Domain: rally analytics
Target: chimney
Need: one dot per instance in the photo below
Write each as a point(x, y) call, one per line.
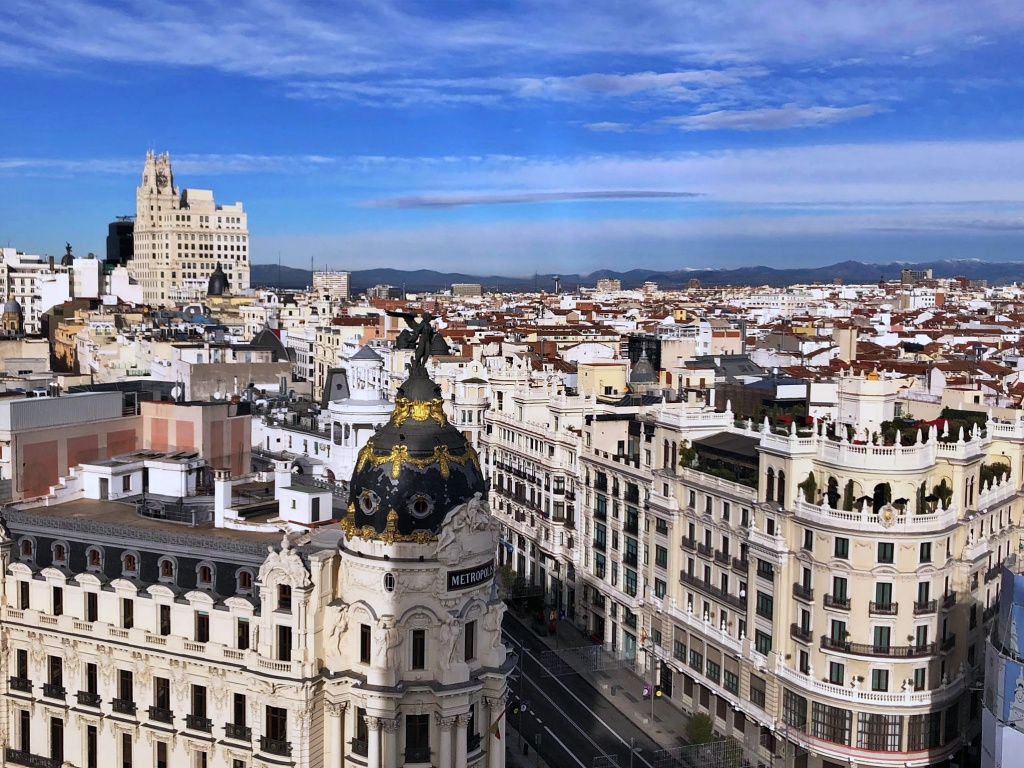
point(282, 474)
point(221, 496)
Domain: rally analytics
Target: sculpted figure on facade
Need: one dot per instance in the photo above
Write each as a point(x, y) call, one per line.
point(337, 616)
point(386, 641)
point(288, 562)
point(469, 518)
point(492, 623)
point(449, 641)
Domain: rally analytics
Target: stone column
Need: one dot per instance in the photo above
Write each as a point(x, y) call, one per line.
point(390, 743)
point(334, 740)
point(493, 744)
point(461, 722)
point(373, 726)
point(444, 726)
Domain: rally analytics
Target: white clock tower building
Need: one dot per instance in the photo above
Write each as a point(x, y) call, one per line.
point(181, 237)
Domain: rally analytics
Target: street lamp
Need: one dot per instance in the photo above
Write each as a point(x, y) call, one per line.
point(655, 691)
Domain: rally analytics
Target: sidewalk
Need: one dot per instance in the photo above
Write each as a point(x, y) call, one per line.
point(514, 757)
point(621, 687)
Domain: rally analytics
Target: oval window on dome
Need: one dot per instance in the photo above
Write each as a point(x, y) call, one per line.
point(421, 505)
point(389, 582)
point(368, 501)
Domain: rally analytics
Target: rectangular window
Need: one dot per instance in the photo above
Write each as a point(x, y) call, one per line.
point(284, 643)
point(417, 733)
point(924, 731)
point(794, 710)
point(165, 620)
point(125, 685)
point(126, 750)
point(885, 551)
point(879, 680)
point(763, 642)
point(239, 710)
point(277, 723)
point(199, 700)
point(364, 643)
point(469, 636)
point(661, 556)
point(926, 552)
point(714, 671)
point(660, 587)
point(831, 723)
point(419, 649)
point(836, 673)
point(242, 635)
point(55, 671)
point(765, 569)
point(920, 678)
point(731, 682)
point(765, 605)
point(23, 592)
point(697, 660)
point(92, 747)
point(161, 754)
point(162, 692)
point(58, 601)
point(757, 691)
point(842, 549)
point(91, 679)
point(879, 733)
point(882, 637)
point(679, 650)
point(92, 610)
point(808, 539)
point(202, 627)
point(839, 589)
point(284, 597)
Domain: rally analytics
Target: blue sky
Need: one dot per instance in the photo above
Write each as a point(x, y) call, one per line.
point(512, 137)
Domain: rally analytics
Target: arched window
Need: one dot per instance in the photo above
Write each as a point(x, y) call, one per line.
point(204, 575)
point(769, 492)
point(94, 558)
point(60, 554)
point(129, 564)
point(167, 569)
point(244, 579)
point(284, 597)
point(782, 487)
point(832, 494)
point(28, 549)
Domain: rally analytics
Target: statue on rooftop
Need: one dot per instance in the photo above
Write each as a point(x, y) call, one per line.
point(419, 337)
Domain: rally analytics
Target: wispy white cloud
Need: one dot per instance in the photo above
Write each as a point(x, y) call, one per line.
point(608, 127)
point(521, 198)
point(768, 119)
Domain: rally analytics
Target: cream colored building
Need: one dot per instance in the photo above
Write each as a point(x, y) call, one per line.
point(181, 236)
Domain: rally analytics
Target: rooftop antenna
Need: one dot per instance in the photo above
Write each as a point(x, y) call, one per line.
point(279, 271)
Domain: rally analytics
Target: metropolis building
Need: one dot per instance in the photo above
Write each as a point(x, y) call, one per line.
point(149, 622)
point(181, 236)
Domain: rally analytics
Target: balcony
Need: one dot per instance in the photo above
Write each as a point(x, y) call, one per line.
point(54, 691)
point(17, 757)
point(948, 642)
point(631, 527)
point(360, 747)
point(926, 606)
point(278, 747)
point(688, 543)
point(472, 742)
point(839, 603)
point(710, 589)
point(883, 609)
point(22, 684)
point(198, 723)
point(417, 755)
point(722, 558)
point(629, 559)
point(993, 572)
point(740, 565)
point(704, 550)
point(948, 601)
point(235, 731)
point(161, 714)
point(803, 634)
point(87, 699)
point(601, 546)
point(989, 612)
point(123, 706)
point(802, 592)
point(599, 515)
point(867, 649)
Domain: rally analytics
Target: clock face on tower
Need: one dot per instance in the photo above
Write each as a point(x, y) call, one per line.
point(161, 179)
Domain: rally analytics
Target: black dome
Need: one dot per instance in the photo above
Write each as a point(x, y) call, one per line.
point(414, 470)
point(218, 285)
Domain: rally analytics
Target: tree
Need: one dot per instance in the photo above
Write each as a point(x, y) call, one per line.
point(809, 487)
point(700, 729)
point(848, 496)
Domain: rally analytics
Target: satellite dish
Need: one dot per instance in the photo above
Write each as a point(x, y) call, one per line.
point(217, 395)
point(176, 392)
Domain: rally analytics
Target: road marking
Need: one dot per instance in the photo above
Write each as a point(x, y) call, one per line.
point(565, 748)
point(592, 712)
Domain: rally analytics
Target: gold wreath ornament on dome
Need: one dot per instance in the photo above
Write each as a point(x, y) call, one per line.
point(399, 455)
point(419, 410)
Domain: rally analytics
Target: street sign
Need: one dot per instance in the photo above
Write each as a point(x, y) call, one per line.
point(526, 704)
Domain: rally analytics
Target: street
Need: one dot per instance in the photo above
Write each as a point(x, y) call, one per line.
point(575, 722)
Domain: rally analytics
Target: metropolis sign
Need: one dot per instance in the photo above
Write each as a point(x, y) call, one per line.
point(470, 577)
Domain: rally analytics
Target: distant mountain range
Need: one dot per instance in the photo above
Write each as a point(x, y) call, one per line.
point(996, 272)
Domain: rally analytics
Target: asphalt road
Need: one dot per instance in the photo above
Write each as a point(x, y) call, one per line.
point(576, 724)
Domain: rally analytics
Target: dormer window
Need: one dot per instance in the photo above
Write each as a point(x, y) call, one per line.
point(245, 581)
point(94, 558)
point(28, 549)
point(60, 554)
point(129, 564)
point(205, 575)
point(284, 597)
point(166, 569)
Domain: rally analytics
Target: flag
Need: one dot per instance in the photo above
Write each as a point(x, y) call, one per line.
point(495, 728)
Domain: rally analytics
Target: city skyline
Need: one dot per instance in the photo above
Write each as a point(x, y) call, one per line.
point(668, 136)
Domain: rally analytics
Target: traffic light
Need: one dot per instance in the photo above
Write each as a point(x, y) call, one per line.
point(657, 691)
point(516, 709)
